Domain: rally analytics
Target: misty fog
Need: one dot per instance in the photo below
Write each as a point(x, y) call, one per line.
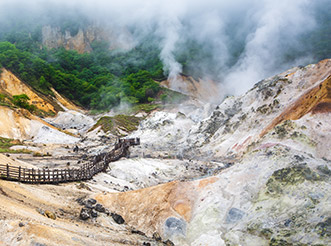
point(240, 41)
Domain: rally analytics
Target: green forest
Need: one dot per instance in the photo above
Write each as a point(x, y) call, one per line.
point(104, 78)
point(96, 80)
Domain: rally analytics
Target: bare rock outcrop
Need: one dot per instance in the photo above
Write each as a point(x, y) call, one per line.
point(277, 190)
point(54, 37)
point(11, 85)
point(240, 122)
point(203, 89)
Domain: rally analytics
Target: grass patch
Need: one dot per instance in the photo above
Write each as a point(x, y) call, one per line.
point(38, 154)
point(105, 122)
point(118, 125)
point(147, 108)
point(12, 151)
point(6, 143)
point(126, 123)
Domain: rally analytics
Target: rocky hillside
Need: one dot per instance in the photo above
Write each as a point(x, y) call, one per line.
point(202, 89)
point(20, 123)
point(54, 37)
point(241, 122)
point(11, 85)
point(274, 144)
point(255, 170)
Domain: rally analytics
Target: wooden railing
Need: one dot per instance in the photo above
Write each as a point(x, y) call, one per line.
point(55, 176)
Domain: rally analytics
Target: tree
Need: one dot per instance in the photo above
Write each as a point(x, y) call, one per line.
point(22, 102)
point(43, 83)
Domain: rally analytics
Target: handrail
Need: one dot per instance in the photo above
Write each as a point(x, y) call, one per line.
point(55, 176)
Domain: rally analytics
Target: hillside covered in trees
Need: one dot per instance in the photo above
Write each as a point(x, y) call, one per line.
point(105, 77)
point(99, 79)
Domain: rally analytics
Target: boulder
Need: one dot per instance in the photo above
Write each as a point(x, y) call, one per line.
point(85, 213)
point(50, 215)
point(100, 208)
point(117, 218)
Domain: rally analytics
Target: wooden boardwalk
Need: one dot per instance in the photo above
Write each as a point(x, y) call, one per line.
point(55, 176)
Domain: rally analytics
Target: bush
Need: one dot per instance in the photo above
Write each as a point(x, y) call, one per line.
point(2, 97)
point(150, 99)
point(22, 102)
point(164, 98)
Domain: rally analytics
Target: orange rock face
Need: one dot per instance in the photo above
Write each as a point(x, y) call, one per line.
point(153, 209)
point(65, 102)
point(316, 99)
point(10, 84)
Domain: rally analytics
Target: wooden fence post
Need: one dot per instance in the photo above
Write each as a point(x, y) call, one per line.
point(39, 176)
point(50, 176)
point(19, 173)
point(57, 175)
point(31, 175)
point(7, 171)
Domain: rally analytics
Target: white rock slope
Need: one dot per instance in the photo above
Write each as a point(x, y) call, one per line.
point(276, 192)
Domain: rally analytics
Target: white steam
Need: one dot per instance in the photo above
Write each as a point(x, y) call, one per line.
point(169, 29)
point(247, 39)
point(279, 24)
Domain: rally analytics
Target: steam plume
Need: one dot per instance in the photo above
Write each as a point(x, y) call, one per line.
point(240, 41)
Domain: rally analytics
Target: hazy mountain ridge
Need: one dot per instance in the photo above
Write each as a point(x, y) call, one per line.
point(224, 47)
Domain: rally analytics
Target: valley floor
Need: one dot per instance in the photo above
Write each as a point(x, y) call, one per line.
point(254, 171)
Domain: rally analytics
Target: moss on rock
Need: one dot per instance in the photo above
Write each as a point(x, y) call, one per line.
point(279, 242)
point(290, 176)
point(283, 129)
point(324, 228)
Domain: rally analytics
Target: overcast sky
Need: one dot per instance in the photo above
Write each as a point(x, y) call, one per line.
point(264, 30)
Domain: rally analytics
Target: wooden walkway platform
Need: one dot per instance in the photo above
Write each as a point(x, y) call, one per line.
point(55, 176)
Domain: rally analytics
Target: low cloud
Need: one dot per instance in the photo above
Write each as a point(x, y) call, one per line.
point(245, 41)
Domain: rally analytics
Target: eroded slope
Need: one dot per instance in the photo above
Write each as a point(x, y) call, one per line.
point(276, 191)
